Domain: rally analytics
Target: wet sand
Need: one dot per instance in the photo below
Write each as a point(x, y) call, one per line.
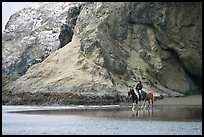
point(74, 124)
point(188, 100)
point(81, 124)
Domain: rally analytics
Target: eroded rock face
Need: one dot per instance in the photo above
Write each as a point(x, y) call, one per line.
point(32, 34)
point(115, 43)
point(145, 40)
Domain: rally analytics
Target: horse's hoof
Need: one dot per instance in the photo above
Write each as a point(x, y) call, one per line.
point(133, 109)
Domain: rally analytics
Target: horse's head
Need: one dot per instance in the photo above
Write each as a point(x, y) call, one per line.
point(130, 91)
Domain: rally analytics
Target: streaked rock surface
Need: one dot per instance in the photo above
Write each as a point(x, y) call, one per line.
point(113, 44)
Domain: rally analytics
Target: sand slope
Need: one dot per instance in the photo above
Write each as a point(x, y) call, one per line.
point(189, 100)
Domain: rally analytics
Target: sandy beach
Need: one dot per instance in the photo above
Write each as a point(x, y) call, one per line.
point(188, 100)
point(161, 122)
point(178, 121)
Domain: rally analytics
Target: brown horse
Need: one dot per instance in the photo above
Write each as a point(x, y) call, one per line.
point(145, 97)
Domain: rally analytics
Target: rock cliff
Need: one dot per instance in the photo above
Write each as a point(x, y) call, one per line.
point(99, 49)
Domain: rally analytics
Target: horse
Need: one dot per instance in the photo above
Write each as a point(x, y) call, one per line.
point(134, 97)
point(145, 97)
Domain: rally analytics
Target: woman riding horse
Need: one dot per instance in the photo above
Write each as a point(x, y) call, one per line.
point(138, 88)
point(145, 97)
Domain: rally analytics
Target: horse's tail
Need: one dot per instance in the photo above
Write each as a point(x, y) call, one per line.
point(152, 99)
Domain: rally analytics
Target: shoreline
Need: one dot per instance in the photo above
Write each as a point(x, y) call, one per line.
point(61, 99)
point(187, 100)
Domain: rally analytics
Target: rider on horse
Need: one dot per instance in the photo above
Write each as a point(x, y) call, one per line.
point(138, 88)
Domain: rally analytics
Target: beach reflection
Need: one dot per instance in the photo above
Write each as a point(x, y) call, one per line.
point(172, 113)
point(120, 120)
point(143, 113)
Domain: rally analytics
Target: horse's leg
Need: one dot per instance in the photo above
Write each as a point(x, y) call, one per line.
point(148, 103)
point(138, 107)
point(144, 104)
point(138, 104)
point(133, 106)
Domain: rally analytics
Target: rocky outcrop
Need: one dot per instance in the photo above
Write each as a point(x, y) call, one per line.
point(32, 34)
point(115, 44)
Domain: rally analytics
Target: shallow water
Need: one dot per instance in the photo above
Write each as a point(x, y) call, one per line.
point(108, 120)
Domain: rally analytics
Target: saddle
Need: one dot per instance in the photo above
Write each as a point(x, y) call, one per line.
point(143, 96)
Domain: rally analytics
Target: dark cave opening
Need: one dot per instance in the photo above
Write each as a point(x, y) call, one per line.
point(196, 79)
